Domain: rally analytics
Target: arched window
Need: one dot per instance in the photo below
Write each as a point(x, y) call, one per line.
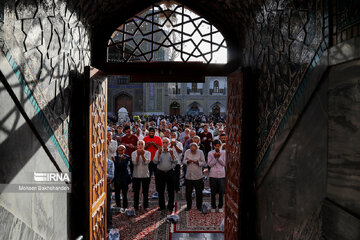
point(194, 87)
point(216, 86)
point(167, 31)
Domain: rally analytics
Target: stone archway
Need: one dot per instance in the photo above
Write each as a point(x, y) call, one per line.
point(194, 109)
point(135, 60)
point(124, 100)
point(216, 110)
point(174, 108)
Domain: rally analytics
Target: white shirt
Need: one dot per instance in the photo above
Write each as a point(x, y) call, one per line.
point(178, 155)
point(141, 169)
point(194, 171)
point(112, 148)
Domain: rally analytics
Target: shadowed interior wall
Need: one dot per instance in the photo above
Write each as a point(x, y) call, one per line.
point(41, 43)
point(284, 39)
point(305, 161)
point(291, 195)
point(342, 206)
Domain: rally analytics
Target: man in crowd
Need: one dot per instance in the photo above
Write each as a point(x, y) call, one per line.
point(122, 177)
point(218, 133)
point(111, 146)
point(177, 148)
point(216, 161)
point(223, 140)
point(190, 140)
point(206, 139)
point(166, 162)
point(199, 144)
point(167, 133)
point(195, 160)
point(212, 128)
point(152, 143)
point(130, 142)
point(141, 176)
point(184, 136)
point(139, 134)
point(120, 132)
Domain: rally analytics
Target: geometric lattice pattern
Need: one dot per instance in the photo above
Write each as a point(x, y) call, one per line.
point(46, 48)
point(295, 30)
point(97, 154)
point(233, 151)
point(166, 31)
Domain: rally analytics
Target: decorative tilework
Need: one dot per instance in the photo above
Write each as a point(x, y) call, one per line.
point(40, 106)
point(45, 49)
point(264, 154)
point(284, 43)
point(346, 20)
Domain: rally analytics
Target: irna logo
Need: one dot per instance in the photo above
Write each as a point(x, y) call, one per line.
point(51, 177)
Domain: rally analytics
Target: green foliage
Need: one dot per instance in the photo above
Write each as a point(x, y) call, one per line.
point(136, 118)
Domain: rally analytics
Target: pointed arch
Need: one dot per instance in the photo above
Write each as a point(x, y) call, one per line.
point(194, 108)
point(218, 105)
point(175, 108)
point(216, 86)
point(123, 99)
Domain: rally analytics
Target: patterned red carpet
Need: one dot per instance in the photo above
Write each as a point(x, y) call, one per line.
point(145, 225)
point(152, 225)
point(195, 221)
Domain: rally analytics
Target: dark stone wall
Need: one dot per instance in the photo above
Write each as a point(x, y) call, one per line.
point(344, 136)
point(342, 208)
point(280, 43)
point(295, 187)
point(306, 166)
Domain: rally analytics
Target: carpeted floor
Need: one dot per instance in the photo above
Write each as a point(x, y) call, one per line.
point(195, 221)
point(145, 225)
point(152, 225)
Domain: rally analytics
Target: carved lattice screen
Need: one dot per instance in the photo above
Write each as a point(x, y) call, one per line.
point(166, 31)
point(234, 131)
point(97, 159)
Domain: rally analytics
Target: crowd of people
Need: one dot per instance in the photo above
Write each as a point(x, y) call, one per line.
point(162, 146)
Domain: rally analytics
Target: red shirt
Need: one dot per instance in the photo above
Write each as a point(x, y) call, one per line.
point(129, 140)
point(151, 148)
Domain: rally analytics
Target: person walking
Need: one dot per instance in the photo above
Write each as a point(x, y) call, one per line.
point(217, 160)
point(141, 176)
point(166, 162)
point(194, 159)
